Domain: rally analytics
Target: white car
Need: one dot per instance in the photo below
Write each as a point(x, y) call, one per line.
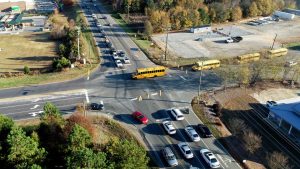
point(177, 114)
point(99, 25)
point(115, 56)
point(168, 126)
point(191, 132)
point(119, 63)
point(185, 150)
point(229, 40)
point(126, 60)
point(169, 156)
point(210, 158)
point(271, 103)
point(290, 63)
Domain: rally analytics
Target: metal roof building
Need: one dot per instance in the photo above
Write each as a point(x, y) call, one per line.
point(287, 116)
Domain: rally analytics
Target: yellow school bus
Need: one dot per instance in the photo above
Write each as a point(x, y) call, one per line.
point(207, 64)
point(142, 73)
point(248, 57)
point(277, 52)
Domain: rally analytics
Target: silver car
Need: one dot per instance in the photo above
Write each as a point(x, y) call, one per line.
point(169, 156)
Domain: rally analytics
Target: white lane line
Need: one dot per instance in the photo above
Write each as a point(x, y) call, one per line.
point(36, 100)
point(53, 100)
point(35, 106)
point(182, 77)
point(87, 96)
point(220, 157)
point(154, 94)
point(169, 75)
point(201, 139)
point(33, 114)
point(188, 145)
point(134, 99)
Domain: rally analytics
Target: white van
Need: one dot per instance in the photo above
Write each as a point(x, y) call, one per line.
point(177, 114)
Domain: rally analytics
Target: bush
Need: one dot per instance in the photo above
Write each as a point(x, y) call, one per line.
point(26, 70)
point(58, 64)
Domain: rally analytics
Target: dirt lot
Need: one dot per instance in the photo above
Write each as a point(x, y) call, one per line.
point(255, 38)
point(239, 103)
point(32, 49)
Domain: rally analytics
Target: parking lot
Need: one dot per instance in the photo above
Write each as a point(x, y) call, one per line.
point(212, 44)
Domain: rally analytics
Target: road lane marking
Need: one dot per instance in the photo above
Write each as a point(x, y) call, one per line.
point(87, 96)
point(182, 77)
point(154, 94)
point(33, 114)
point(133, 99)
point(36, 100)
point(220, 157)
point(35, 106)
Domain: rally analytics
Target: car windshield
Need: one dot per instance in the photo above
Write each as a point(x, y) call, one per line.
point(140, 116)
point(188, 152)
point(179, 116)
point(171, 157)
point(195, 135)
point(213, 160)
point(172, 130)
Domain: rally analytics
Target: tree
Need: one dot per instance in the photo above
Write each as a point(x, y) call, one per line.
point(148, 29)
point(236, 13)
point(79, 138)
point(253, 10)
point(68, 2)
point(51, 114)
point(80, 120)
point(6, 125)
point(23, 150)
point(85, 158)
point(237, 126)
point(243, 75)
point(277, 160)
point(125, 153)
point(252, 142)
point(26, 70)
point(204, 17)
point(217, 107)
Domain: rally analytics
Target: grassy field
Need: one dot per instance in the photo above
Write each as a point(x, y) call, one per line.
point(32, 49)
point(294, 46)
point(40, 54)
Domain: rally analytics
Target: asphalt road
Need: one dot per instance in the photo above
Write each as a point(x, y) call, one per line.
point(123, 95)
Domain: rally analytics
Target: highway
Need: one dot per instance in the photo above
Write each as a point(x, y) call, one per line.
point(123, 95)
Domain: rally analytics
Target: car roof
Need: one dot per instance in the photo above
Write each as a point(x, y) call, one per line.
point(137, 113)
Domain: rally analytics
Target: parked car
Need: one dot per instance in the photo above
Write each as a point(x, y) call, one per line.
point(191, 132)
point(204, 130)
point(235, 39)
point(119, 63)
point(104, 17)
point(177, 114)
point(210, 158)
point(169, 156)
point(126, 60)
point(96, 106)
point(185, 150)
point(271, 103)
point(140, 117)
point(290, 63)
point(169, 127)
point(115, 56)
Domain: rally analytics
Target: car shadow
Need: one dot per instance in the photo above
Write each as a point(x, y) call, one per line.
point(154, 129)
point(161, 115)
point(181, 136)
point(126, 118)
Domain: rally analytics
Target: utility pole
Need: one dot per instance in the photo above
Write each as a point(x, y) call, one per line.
point(166, 48)
point(274, 41)
point(78, 34)
point(200, 81)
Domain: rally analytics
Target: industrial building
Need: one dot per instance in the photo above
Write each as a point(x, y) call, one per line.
point(286, 116)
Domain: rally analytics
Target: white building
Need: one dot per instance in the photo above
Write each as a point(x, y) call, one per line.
point(201, 29)
point(28, 4)
point(286, 115)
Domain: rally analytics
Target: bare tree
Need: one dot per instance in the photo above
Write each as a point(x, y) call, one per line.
point(252, 142)
point(277, 160)
point(237, 126)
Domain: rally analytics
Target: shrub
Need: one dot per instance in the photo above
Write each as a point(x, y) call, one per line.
point(26, 70)
point(58, 64)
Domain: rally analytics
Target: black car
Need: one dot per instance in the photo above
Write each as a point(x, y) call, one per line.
point(96, 106)
point(204, 130)
point(104, 17)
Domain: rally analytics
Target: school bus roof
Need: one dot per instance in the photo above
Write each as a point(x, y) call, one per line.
point(278, 50)
point(150, 69)
point(205, 62)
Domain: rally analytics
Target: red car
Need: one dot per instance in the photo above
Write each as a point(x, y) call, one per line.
point(140, 117)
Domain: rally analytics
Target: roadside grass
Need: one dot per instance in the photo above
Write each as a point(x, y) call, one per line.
point(44, 78)
point(293, 46)
point(198, 110)
point(34, 50)
point(91, 55)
